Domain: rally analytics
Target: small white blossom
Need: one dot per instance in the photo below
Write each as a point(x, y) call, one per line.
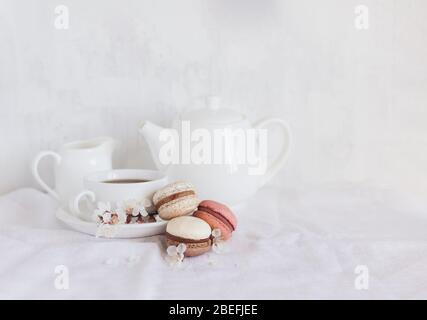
point(132, 207)
point(102, 207)
point(175, 254)
point(218, 245)
point(106, 217)
point(216, 233)
point(172, 251)
point(121, 215)
point(143, 212)
point(134, 220)
point(181, 248)
point(139, 210)
point(127, 205)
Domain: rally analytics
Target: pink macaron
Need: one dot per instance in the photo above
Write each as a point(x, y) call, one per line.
point(218, 216)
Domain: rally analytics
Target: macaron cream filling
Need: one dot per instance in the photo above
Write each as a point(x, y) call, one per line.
point(174, 197)
point(185, 240)
point(218, 216)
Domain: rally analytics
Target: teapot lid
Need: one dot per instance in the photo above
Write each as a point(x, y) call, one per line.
point(213, 114)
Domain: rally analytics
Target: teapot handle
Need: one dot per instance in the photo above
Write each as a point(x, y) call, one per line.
point(278, 163)
point(35, 171)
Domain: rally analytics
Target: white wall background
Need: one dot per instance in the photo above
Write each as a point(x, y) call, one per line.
point(357, 100)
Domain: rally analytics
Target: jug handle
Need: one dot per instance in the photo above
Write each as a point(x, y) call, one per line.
point(279, 162)
point(35, 171)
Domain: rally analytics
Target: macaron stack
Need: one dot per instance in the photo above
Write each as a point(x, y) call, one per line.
point(191, 220)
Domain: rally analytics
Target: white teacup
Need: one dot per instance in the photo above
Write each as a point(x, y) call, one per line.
point(117, 186)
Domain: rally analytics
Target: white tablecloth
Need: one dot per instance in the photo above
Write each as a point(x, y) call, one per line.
point(289, 244)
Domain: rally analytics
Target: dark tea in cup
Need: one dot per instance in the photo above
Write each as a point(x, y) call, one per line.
point(126, 181)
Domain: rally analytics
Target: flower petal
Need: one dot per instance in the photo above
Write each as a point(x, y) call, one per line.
point(121, 216)
point(172, 251)
point(147, 203)
point(142, 211)
point(181, 248)
point(135, 212)
point(171, 260)
point(216, 248)
point(216, 233)
point(219, 246)
point(180, 256)
point(106, 217)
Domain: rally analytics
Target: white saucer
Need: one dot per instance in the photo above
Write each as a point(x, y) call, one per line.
point(123, 231)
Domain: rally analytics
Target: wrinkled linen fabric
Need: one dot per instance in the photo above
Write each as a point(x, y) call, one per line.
point(314, 243)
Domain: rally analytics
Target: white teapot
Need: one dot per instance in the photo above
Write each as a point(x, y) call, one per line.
point(218, 150)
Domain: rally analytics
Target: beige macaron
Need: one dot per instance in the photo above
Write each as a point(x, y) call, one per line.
point(191, 231)
point(176, 199)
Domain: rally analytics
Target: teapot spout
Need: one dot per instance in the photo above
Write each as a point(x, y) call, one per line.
point(154, 135)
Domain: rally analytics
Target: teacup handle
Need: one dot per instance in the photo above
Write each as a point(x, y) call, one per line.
point(75, 204)
point(35, 171)
point(278, 163)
